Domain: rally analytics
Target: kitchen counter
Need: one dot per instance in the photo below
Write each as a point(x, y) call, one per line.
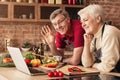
point(8, 73)
point(11, 73)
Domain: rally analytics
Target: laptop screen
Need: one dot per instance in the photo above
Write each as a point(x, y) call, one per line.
point(19, 62)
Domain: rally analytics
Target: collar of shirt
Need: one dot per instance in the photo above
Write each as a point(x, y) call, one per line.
point(99, 33)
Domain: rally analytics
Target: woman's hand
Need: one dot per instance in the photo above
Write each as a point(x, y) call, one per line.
point(48, 34)
point(88, 38)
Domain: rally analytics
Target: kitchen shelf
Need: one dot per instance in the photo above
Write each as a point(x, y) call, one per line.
point(34, 12)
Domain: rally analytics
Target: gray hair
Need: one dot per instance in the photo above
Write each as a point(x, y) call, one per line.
point(94, 10)
point(58, 11)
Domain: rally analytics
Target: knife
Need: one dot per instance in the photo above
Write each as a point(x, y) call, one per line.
point(61, 65)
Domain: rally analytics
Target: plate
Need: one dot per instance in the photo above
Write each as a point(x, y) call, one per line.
point(7, 65)
point(10, 64)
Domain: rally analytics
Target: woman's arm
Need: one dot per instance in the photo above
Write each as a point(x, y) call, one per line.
point(87, 57)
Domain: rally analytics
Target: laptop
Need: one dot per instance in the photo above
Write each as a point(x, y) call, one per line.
point(20, 64)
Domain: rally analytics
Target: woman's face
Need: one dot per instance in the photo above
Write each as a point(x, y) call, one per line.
point(89, 23)
point(61, 23)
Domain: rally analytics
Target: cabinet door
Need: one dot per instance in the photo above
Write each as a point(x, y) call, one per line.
point(4, 11)
point(44, 12)
point(24, 12)
point(73, 12)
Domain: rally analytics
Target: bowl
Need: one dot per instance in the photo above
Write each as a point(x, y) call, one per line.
point(25, 49)
point(58, 58)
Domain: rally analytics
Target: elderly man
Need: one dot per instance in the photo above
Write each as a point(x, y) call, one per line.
point(68, 32)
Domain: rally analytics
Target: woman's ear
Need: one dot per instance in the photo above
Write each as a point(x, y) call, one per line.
point(98, 19)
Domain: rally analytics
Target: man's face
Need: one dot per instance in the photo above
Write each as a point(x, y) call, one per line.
point(61, 23)
point(89, 23)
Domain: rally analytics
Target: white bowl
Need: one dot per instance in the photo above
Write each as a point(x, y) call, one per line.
point(58, 58)
point(25, 49)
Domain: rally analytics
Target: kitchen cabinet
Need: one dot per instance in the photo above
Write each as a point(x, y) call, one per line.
point(44, 11)
point(5, 11)
point(24, 12)
point(34, 12)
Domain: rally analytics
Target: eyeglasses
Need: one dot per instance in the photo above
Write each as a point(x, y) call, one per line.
point(59, 22)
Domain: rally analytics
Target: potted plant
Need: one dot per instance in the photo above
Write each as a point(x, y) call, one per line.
point(26, 46)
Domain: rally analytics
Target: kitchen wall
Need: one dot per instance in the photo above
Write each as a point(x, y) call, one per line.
point(112, 8)
point(19, 32)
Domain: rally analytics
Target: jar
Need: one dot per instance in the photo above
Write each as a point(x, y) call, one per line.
point(58, 1)
point(30, 1)
point(3, 0)
point(50, 1)
point(18, 0)
point(44, 1)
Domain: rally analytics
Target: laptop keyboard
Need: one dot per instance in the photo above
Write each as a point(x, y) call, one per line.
point(32, 70)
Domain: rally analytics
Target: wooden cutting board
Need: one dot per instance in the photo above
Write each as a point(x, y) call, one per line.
point(84, 70)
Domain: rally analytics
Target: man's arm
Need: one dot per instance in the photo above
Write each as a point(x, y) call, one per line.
point(56, 51)
point(76, 58)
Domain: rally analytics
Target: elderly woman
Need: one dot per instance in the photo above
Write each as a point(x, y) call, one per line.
point(102, 41)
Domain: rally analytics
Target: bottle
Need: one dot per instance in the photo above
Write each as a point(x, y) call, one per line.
point(58, 1)
point(35, 50)
point(44, 1)
point(70, 2)
point(31, 16)
point(74, 2)
point(79, 2)
point(41, 50)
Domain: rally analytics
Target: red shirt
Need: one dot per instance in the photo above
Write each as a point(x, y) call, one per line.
point(76, 36)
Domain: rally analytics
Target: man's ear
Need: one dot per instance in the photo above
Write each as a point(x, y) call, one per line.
point(98, 19)
point(68, 19)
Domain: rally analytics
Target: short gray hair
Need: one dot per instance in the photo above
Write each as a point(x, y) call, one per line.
point(58, 11)
point(94, 10)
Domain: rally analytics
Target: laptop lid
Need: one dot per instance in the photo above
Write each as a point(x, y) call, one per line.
point(19, 61)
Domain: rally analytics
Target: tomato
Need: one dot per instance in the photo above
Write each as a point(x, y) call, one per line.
point(50, 74)
point(74, 69)
point(27, 61)
point(70, 69)
point(35, 62)
point(7, 60)
point(60, 74)
point(56, 74)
